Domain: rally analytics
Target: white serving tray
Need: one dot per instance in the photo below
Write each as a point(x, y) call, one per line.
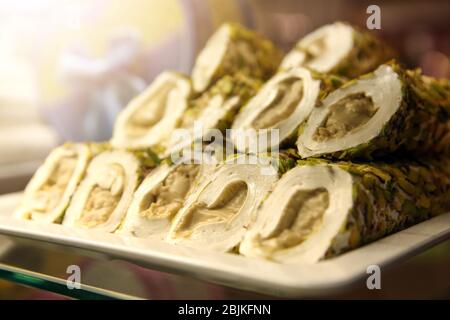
point(260, 276)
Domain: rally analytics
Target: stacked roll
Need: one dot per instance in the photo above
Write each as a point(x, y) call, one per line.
point(49, 192)
point(320, 209)
point(102, 199)
point(388, 111)
point(339, 48)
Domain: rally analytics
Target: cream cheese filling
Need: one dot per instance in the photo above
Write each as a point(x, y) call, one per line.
point(223, 210)
point(288, 95)
point(167, 197)
point(346, 116)
point(302, 217)
point(103, 197)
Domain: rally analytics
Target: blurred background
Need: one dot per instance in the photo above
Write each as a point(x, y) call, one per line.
point(68, 67)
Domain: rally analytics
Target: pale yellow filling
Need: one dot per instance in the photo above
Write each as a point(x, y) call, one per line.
point(103, 197)
point(49, 195)
point(289, 94)
point(302, 216)
point(167, 198)
point(223, 210)
point(346, 116)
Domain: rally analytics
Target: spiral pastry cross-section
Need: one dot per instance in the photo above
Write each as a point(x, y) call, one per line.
point(50, 191)
point(150, 118)
point(338, 48)
point(159, 198)
point(216, 215)
point(383, 113)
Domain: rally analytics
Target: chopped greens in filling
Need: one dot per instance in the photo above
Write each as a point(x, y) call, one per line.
point(302, 216)
point(150, 113)
point(103, 197)
point(167, 198)
point(223, 210)
point(50, 193)
point(288, 95)
point(346, 116)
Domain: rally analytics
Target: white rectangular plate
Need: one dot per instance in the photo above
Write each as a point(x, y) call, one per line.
point(232, 270)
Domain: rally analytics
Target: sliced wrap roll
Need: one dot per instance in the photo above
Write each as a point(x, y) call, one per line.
point(218, 211)
point(49, 192)
point(159, 197)
point(338, 48)
point(321, 209)
point(283, 103)
point(233, 48)
point(213, 111)
point(388, 111)
point(103, 197)
point(150, 118)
